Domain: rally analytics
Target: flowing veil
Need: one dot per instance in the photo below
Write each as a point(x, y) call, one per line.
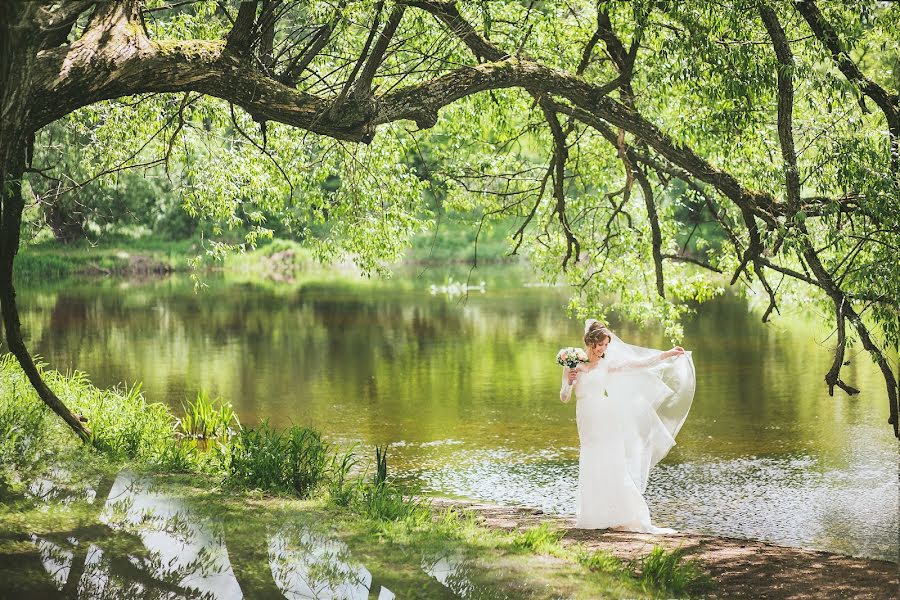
point(656, 396)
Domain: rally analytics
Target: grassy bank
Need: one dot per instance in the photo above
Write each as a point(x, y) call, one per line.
point(453, 240)
point(245, 480)
point(112, 256)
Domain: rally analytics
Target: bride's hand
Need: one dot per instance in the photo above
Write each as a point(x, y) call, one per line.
point(676, 351)
point(572, 375)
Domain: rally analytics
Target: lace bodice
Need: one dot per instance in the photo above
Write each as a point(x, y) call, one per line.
point(593, 378)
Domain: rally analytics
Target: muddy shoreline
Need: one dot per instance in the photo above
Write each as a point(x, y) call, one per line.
point(739, 568)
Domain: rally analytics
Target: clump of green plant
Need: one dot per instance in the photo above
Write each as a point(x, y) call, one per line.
point(295, 460)
point(121, 421)
point(342, 492)
point(205, 418)
point(537, 539)
point(180, 457)
point(666, 571)
point(384, 500)
point(23, 421)
point(601, 561)
point(32, 266)
point(387, 502)
point(307, 459)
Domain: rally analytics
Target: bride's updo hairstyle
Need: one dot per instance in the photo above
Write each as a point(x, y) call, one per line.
point(595, 334)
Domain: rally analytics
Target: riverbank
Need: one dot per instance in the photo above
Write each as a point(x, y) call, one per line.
point(156, 480)
point(196, 504)
point(452, 242)
point(739, 568)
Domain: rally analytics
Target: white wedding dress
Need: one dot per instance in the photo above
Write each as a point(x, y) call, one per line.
point(629, 409)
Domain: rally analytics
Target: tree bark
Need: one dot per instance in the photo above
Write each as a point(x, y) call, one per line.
point(12, 205)
point(15, 138)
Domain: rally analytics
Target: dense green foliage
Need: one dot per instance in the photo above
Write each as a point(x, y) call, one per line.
point(644, 151)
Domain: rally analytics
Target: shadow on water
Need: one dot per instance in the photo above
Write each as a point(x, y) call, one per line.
point(116, 537)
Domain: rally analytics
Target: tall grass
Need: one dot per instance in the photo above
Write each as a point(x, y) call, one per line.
point(389, 502)
point(295, 460)
point(537, 539)
point(666, 571)
point(207, 419)
point(342, 491)
point(36, 267)
point(122, 423)
point(24, 423)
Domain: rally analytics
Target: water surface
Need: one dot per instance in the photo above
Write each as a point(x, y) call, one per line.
point(465, 393)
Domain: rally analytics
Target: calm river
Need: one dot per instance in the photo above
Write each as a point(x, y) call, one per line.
point(466, 393)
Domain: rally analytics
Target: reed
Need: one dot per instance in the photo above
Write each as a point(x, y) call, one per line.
point(122, 422)
point(341, 491)
point(205, 418)
point(380, 465)
point(388, 502)
point(307, 459)
point(23, 423)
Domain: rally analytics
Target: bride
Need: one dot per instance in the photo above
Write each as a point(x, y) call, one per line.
point(631, 403)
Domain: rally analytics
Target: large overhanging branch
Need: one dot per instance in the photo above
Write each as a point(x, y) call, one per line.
point(128, 63)
point(824, 279)
point(760, 204)
point(114, 57)
point(116, 60)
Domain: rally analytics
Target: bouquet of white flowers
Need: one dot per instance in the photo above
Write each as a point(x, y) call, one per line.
point(570, 357)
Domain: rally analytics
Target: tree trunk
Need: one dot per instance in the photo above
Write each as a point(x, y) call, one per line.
point(16, 48)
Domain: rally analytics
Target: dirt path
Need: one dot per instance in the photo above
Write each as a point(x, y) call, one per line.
point(739, 568)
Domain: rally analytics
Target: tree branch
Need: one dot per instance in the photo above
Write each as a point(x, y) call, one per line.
point(363, 85)
point(560, 154)
point(785, 104)
point(832, 378)
point(888, 103)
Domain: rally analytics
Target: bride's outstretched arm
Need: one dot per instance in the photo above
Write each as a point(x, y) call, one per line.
point(634, 365)
point(565, 392)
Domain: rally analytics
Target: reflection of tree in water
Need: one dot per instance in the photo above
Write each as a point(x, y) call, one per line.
point(309, 564)
point(460, 575)
point(306, 564)
point(150, 546)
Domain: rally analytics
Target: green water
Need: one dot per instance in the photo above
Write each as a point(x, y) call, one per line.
point(465, 393)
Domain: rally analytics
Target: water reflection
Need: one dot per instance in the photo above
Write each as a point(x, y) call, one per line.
point(56, 560)
point(151, 546)
point(182, 548)
point(142, 543)
point(465, 393)
point(309, 565)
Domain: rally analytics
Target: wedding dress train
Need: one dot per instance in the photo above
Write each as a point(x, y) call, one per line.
point(629, 409)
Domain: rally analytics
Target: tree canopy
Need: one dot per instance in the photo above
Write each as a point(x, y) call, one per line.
point(648, 151)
